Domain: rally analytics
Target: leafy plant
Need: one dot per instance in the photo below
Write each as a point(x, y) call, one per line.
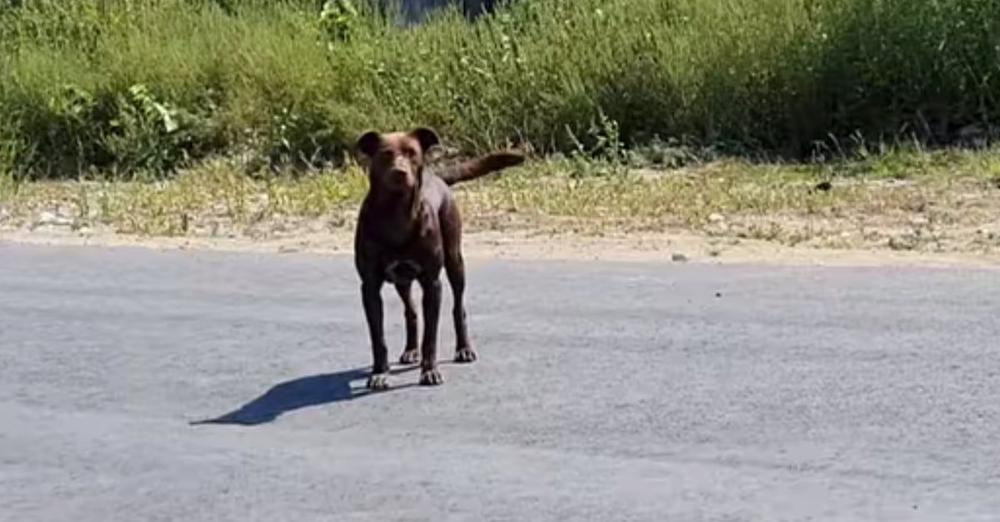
point(150, 135)
point(338, 19)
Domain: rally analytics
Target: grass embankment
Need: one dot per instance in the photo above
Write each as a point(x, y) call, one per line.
point(187, 116)
point(127, 86)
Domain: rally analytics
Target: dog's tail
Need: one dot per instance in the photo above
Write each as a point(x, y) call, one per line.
point(480, 166)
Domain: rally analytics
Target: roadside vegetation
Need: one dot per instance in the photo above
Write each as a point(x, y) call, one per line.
point(785, 120)
point(945, 201)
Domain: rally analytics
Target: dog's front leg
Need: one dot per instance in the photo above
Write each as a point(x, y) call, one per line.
point(372, 299)
point(429, 374)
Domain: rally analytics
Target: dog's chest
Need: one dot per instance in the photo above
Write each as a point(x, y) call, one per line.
point(402, 271)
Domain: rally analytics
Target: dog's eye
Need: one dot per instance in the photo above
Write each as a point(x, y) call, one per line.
point(410, 153)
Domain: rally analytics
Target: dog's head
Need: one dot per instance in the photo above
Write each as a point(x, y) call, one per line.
point(396, 160)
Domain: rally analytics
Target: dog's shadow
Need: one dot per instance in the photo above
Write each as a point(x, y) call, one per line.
point(314, 390)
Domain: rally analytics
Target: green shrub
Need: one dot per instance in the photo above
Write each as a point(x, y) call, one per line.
point(295, 81)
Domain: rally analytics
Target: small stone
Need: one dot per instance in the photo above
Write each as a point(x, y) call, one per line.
point(905, 242)
point(716, 218)
point(51, 218)
point(824, 186)
point(718, 295)
point(679, 258)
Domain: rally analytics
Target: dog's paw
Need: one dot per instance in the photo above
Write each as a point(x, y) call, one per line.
point(431, 378)
point(378, 382)
point(410, 357)
point(465, 355)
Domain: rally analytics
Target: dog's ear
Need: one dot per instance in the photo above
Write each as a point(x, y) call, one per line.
point(427, 137)
point(369, 143)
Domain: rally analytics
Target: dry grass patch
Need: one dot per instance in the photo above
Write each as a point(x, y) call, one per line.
point(942, 202)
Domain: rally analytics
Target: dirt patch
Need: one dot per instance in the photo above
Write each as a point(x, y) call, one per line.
point(677, 247)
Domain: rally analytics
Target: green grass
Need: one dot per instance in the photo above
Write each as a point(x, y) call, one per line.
point(117, 87)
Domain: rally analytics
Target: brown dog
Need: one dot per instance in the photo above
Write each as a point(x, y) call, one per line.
point(408, 229)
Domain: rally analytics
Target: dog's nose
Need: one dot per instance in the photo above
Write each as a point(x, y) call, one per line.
point(398, 175)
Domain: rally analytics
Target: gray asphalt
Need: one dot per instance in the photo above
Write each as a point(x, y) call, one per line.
point(604, 392)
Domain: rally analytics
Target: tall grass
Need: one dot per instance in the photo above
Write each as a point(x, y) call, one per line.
point(123, 86)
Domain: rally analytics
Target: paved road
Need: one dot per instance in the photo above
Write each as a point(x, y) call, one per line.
point(605, 392)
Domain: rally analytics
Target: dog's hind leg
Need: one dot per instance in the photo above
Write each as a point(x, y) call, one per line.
point(431, 285)
point(454, 266)
point(410, 354)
